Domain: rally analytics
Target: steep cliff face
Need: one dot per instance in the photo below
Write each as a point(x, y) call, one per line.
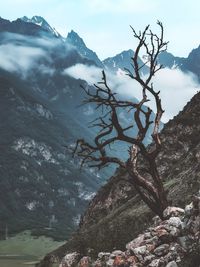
point(116, 214)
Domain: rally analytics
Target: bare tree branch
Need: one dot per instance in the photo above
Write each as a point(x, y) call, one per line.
point(111, 129)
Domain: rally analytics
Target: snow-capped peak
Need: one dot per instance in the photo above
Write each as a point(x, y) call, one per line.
point(40, 21)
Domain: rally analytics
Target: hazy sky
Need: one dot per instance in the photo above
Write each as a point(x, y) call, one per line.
point(104, 24)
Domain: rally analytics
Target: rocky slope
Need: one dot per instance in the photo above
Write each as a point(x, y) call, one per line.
point(43, 188)
point(116, 215)
point(173, 242)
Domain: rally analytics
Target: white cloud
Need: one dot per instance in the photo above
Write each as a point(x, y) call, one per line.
point(176, 87)
point(90, 74)
point(14, 58)
point(15, 38)
point(19, 53)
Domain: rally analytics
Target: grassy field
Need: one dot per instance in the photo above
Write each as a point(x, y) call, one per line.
point(24, 249)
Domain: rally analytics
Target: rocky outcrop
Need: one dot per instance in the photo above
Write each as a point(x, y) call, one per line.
point(166, 243)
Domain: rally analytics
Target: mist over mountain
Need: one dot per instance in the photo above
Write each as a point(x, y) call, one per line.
point(41, 186)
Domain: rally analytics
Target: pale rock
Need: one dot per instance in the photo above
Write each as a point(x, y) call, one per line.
point(173, 211)
point(154, 263)
point(147, 235)
point(175, 221)
point(118, 253)
point(174, 231)
point(149, 258)
point(70, 259)
point(103, 255)
point(189, 209)
point(140, 250)
point(172, 264)
point(135, 242)
point(154, 241)
point(183, 241)
point(110, 262)
point(161, 250)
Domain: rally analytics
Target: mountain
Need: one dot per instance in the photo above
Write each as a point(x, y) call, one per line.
point(116, 214)
point(21, 27)
point(75, 40)
point(38, 103)
point(40, 21)
point(122, 61)
point(169, 60)
point(41, 186)
point(192, 62)
point(189, 64)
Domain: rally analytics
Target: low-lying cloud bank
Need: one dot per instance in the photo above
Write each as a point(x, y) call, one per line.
point(14, 58)
point(176, 87)
point(20, 53)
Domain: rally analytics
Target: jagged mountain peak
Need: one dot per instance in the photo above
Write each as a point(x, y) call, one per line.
point(122, 56)
point(40, 21)
point(75, 40)
point(122, 61)
point(125, 52)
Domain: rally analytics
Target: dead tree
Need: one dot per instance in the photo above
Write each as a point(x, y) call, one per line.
point(111, 130)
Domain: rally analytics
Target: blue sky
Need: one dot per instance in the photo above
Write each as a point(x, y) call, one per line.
point(104, 24)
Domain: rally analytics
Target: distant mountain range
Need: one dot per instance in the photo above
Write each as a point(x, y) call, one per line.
point(41, 186)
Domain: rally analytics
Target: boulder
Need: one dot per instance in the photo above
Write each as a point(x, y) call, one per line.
point(135, 242)
point(172, 264)
point(173, 211)
point(70, 260)
point(175, 221)
point(161, 250)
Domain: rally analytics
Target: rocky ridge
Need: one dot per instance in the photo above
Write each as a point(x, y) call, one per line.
point(166, 243)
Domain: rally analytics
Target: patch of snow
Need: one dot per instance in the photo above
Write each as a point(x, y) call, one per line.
point(76, 220)
point(83, 193)
point(87, 195)
point(43, 112)
point(54, 98)
point(34, 149)
point(31, 205)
